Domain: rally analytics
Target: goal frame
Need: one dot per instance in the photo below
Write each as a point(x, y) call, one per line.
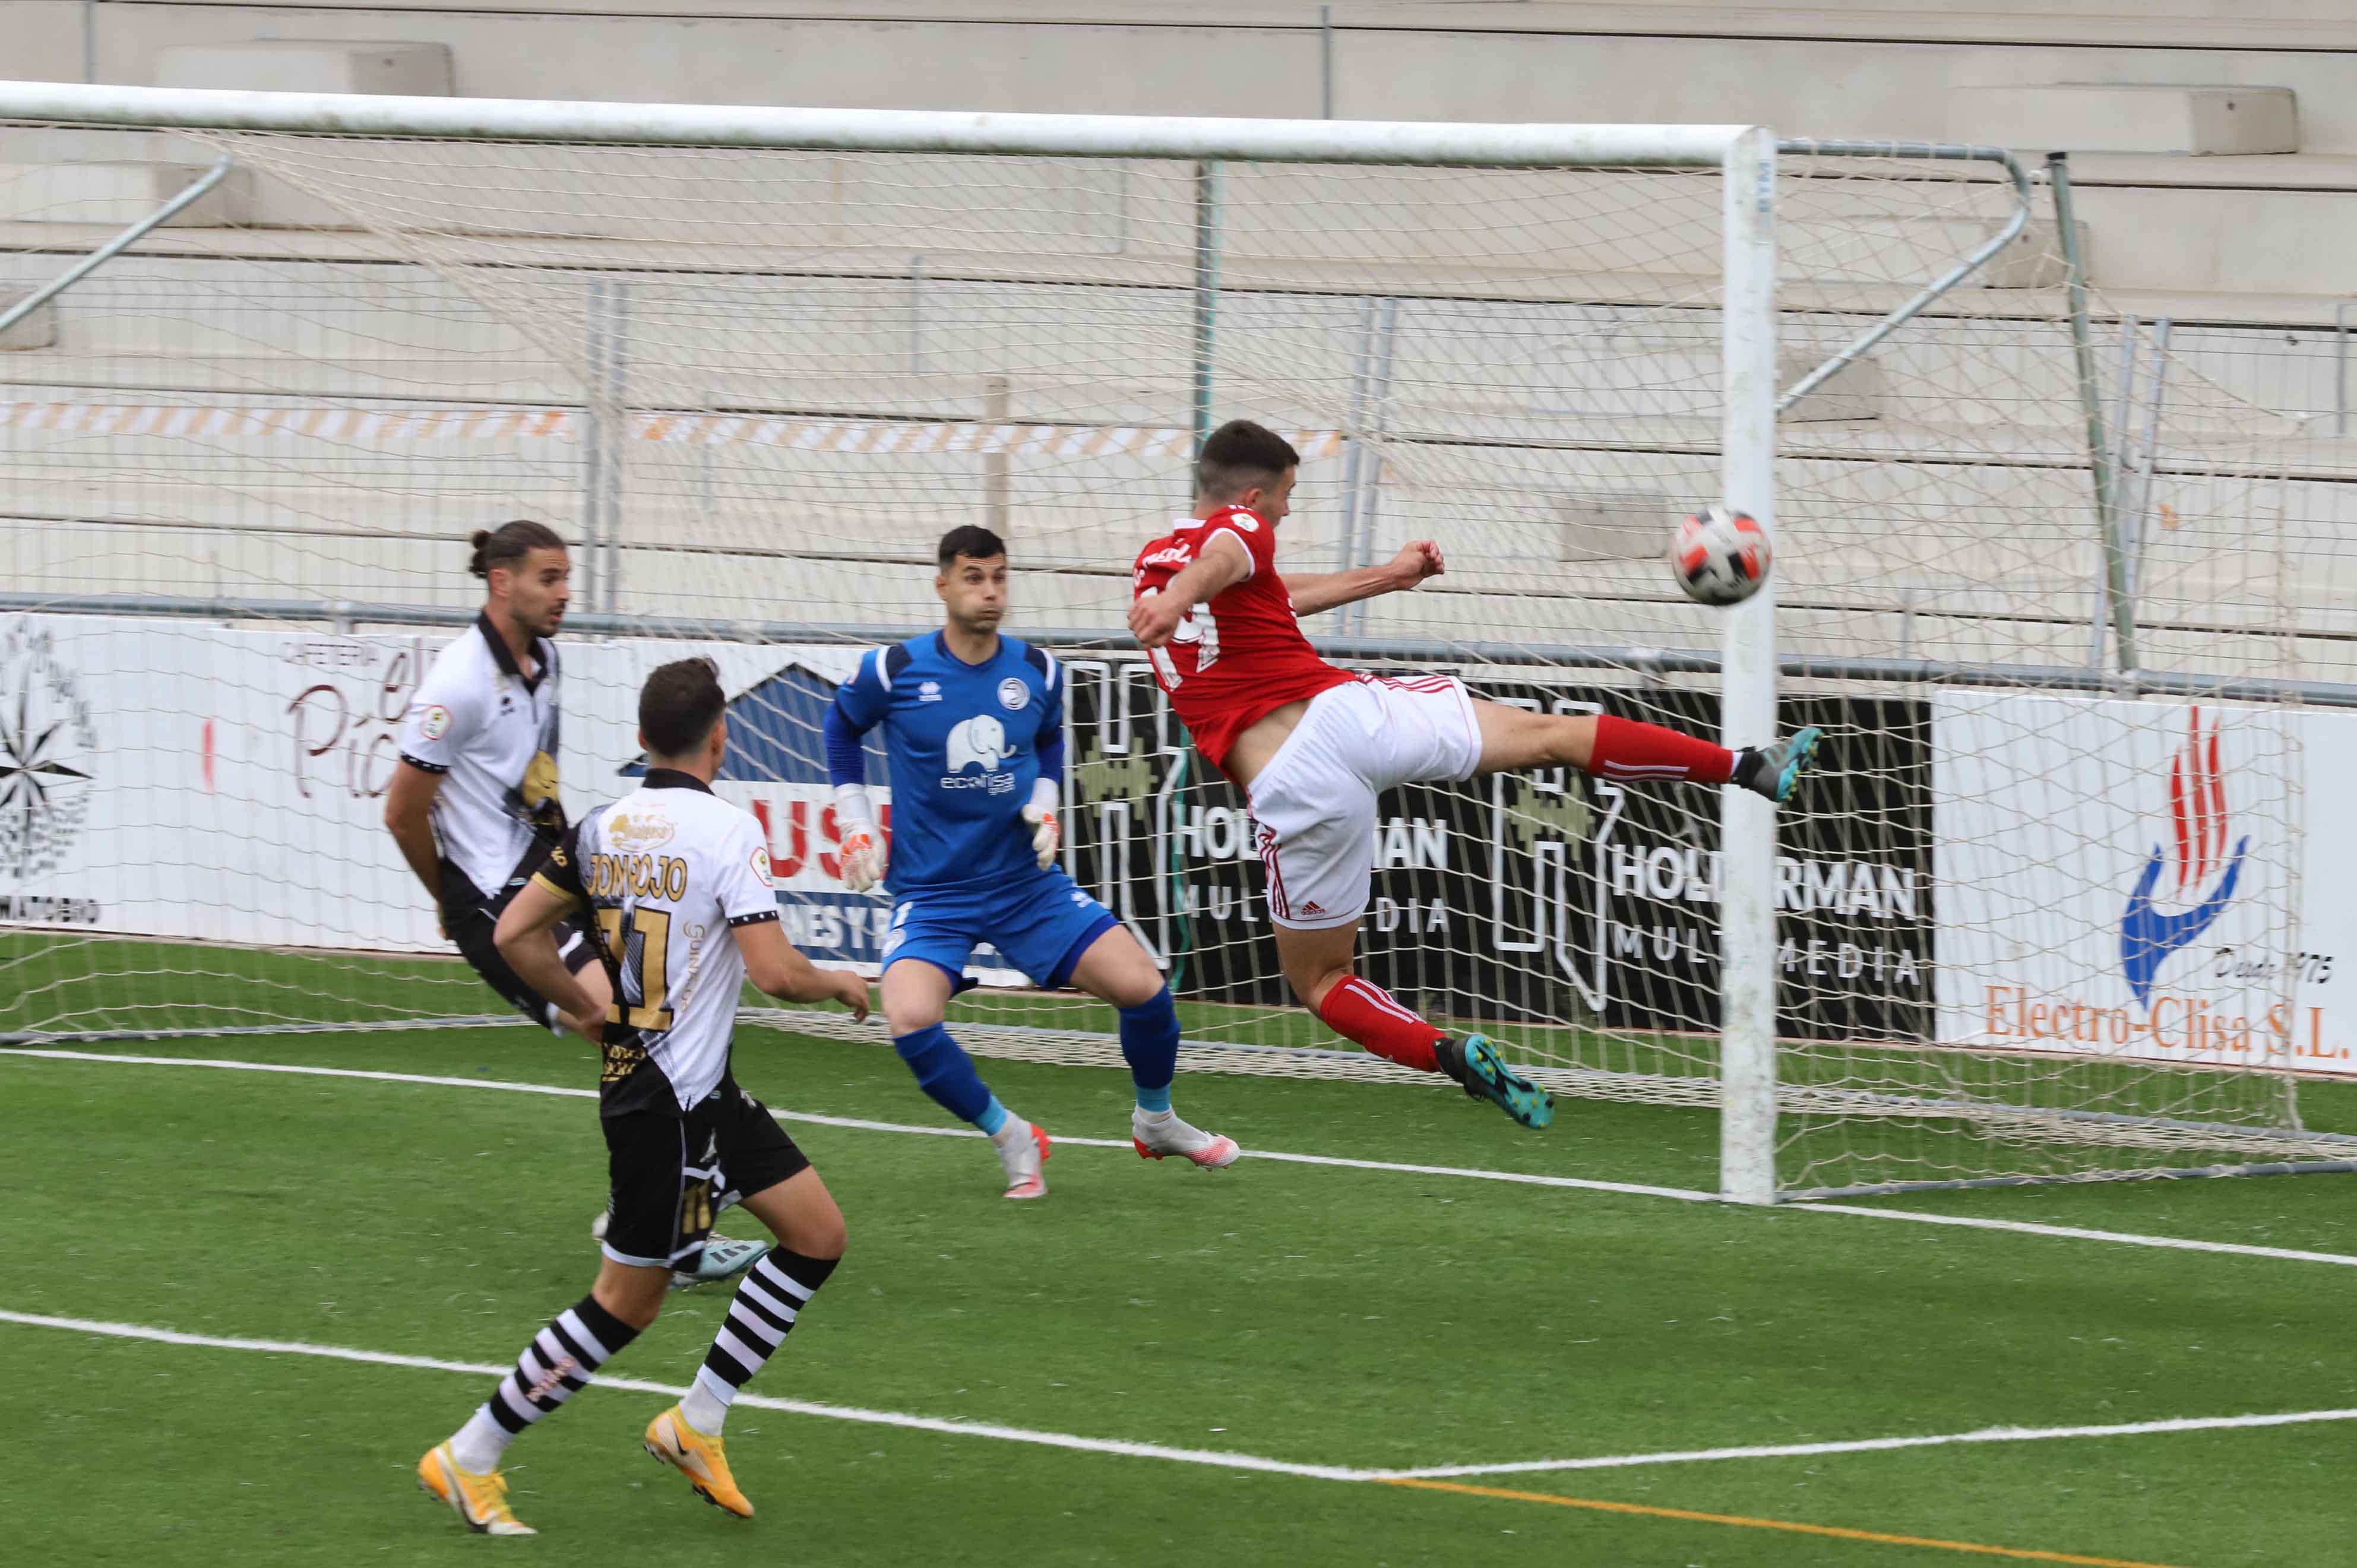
point(1744, 156)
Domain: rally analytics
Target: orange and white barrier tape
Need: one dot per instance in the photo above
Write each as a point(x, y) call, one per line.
point(876, 437)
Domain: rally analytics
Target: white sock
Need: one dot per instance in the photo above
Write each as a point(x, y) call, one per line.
point(706, 1407)
point(1013, 1133)
point(1154, 1118)
point(479, 1444)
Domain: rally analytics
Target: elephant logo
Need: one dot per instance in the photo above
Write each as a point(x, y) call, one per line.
point(978, 742)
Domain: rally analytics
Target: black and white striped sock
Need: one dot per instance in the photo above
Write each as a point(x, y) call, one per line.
point(557, 1363)
point(771, 1297)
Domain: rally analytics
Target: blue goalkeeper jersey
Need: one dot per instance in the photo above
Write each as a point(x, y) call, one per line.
point(964, 744)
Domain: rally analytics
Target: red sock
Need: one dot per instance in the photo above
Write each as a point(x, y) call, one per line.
point(1358, 1011)
point(1626, 749)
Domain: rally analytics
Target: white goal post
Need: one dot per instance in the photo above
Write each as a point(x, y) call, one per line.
point(753, 359)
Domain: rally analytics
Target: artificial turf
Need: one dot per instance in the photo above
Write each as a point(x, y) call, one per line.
point(1313, 1315)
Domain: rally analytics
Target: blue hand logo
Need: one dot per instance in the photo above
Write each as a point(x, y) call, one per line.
point(2147, 936)
point(2197, 803)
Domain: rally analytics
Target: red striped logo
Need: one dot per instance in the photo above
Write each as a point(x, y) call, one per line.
point(1278, 905)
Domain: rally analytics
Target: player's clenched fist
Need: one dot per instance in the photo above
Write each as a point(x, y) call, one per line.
point(1047, 833)
point(1154, 618)
point(864, 854)
point(1417, 560)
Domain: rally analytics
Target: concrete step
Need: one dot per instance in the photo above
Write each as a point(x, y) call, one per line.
point(2128, 117)
point(308, 64)
point(113, 196)
point(2219, 239)
point(2280, 171)
point(2260, 24)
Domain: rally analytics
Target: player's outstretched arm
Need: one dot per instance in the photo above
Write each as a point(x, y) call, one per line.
point(526, 938)
point(1417, 560)
point(776, 966)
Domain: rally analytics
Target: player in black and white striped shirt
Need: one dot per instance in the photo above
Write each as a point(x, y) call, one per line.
point(675, 883)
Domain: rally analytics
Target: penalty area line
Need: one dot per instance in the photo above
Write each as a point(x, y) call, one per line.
point(1519, 1178)
point(1210, 1458)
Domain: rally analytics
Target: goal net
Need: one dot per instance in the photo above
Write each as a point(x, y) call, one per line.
point(2061, 596)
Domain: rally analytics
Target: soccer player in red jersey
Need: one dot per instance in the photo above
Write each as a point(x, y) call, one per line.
point(1312, 745)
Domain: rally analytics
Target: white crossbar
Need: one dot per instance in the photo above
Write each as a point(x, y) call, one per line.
point(878, 130)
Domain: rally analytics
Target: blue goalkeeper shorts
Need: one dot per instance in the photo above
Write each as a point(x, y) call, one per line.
point(1041, 923)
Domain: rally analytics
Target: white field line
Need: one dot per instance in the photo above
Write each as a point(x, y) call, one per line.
point(1688, 1195)
point(1880, 1444)
point(1212, 1457)
point(759, 1402)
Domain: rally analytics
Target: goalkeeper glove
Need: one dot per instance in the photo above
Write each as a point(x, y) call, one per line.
point(864, 858)
point(865, 852)
point(1047, 833)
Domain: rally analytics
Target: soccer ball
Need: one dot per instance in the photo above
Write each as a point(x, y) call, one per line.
point(1719, 557)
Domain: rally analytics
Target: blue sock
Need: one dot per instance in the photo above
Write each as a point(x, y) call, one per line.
point(1150, 1043)
point(992, 1117)
point(946, 1073)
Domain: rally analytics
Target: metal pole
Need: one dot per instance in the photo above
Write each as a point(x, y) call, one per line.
point(1747, 1117)
point(618, 434)
point(996, 483)
point(916, 315)
point(2341, 368)
point(1207, 294)
point(593, 448)
point(1324, 62)
point(1371, 471)
point(1363, 364)
point(2099, 461)
point(2147, 452)
point(115, 247)
point(2123, 384)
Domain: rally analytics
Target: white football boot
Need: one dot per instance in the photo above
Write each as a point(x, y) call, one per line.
point(1160, 1135)
point(1023, 1149)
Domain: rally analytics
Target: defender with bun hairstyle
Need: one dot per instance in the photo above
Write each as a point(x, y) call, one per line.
point(474, 801)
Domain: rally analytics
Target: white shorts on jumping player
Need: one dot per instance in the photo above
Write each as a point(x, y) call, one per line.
point(1315, 800)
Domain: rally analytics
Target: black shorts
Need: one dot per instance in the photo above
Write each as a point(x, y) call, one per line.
point(470, 915)
point(673, 1175)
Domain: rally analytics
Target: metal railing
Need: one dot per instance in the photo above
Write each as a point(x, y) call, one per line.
point(2006, 233)
point(345, 616)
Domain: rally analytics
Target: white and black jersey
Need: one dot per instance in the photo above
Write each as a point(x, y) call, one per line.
point(666, 873)
point(491, 731)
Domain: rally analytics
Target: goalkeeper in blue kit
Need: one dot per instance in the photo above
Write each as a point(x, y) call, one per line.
point(973, 735)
